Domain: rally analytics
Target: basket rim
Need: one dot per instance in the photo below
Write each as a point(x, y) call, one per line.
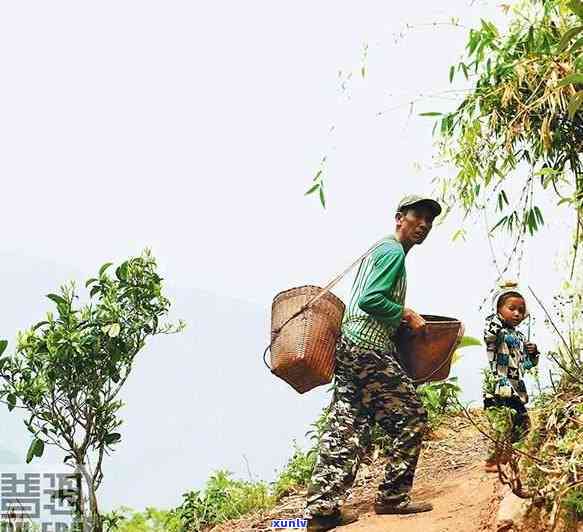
point(334, 297)
point(433, 318)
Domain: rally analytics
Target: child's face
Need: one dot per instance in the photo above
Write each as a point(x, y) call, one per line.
point(513, 310)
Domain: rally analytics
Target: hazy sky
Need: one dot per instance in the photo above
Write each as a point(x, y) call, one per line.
point(194, 128)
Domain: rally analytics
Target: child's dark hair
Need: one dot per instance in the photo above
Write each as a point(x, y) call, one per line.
point(505, 296)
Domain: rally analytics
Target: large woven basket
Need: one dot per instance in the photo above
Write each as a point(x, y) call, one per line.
point(303, 351)
point(427, 355)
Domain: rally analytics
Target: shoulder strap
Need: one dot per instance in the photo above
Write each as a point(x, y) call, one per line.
point(327, 288)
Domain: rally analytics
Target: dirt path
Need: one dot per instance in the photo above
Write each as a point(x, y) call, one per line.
point(462, 502)
point(450, 475)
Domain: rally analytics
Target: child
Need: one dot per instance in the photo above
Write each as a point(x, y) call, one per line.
point(509, 355)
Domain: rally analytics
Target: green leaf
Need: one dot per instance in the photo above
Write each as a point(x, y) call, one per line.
point(460, 233)
point(567, 36)
point(465, 70)
point(502, 221)
point(114, 330)
point(121, 271)
point(539, 215)
point(575, 78)
point(39, 324)
point(37, 447)
point(11, 400)
point(363, 72)
point(57, 299)
point(30, 453)
point(104, 267)
point(574, 104)
point(113, 437)
point(322, 199)
point(577, 7)
point(312, 190)
point(94, 291)
point(468, 341)
point(432, 113)
point(451, 73)
point(90, 281)
point(3, 346)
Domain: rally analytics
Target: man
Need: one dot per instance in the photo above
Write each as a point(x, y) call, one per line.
point(370, 385)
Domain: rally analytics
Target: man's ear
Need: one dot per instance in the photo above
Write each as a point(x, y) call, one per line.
point(399, 218)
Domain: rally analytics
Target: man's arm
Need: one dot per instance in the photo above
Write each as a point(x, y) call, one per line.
point(376, 295)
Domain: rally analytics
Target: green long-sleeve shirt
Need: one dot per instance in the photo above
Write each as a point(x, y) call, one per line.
point(377, 298)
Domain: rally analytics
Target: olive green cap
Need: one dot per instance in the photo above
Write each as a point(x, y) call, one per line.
point(410, 201)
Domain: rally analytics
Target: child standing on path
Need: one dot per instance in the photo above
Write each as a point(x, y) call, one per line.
point(509, 355)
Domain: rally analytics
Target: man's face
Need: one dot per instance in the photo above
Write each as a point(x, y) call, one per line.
point(414, 226)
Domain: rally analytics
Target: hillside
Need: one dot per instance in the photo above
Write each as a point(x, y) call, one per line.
point(450, 474)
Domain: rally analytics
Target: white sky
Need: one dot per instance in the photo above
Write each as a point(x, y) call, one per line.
point(194, 128)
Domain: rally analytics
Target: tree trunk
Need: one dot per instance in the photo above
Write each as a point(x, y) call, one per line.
point(92, 518)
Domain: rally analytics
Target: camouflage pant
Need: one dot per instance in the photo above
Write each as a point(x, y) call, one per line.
point(369, 386)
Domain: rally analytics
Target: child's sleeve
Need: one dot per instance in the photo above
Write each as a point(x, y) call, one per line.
point(491, 332)
point(497, 356)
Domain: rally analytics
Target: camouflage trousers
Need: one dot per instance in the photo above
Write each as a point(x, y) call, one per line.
point(369, 386)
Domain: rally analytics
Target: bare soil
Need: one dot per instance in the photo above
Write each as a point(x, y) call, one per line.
point(450, 475)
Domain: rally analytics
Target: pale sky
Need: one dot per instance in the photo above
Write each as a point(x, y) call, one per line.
point(194, 128)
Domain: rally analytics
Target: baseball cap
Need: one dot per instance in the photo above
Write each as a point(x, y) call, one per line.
point(411, 200)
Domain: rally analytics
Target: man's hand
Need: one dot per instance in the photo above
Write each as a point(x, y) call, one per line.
point(414, 321)
point(531, 349)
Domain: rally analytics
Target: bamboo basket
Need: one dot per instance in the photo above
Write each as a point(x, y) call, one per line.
point(427, 355)
point(303, 347)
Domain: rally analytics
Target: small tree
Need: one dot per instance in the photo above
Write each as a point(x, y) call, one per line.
point(68, 370)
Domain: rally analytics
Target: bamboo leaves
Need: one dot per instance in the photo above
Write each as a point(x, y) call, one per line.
point(318, 184)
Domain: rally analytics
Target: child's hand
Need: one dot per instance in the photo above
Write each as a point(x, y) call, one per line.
point(531, 349)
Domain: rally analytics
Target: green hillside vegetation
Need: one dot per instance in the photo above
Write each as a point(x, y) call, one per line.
point(224, 498)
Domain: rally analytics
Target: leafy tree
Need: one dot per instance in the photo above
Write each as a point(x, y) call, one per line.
point(523, 107)
point(68, 370)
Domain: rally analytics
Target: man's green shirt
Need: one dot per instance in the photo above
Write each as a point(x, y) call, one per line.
point(377, 298)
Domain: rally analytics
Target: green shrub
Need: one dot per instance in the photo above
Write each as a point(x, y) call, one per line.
point(222, 499)
point(151, 520)
point(440, 399)
point(297, 472)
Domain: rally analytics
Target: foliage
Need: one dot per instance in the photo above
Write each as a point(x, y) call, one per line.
point(440, 399)
point(523, 107)
point(574, 502)
point(151, 520)
point(297, 472)
point(222, 499)
point(68, 370)
point(553, 470)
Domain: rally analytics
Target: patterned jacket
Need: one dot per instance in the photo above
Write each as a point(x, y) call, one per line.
point(507, 359)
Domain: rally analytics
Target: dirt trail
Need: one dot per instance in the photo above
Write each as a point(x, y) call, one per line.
point(462, 502)
point(450, 475)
